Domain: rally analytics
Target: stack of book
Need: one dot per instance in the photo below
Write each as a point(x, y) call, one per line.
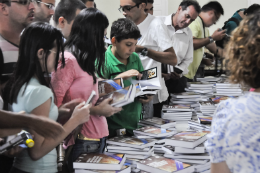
point(160, 164)
point(200, 87)
point(101, 163)
point(209, 79)
point(157, 122)
point(217, 99)
point(196, 125)
point(189, 147)
point(134, 148)
point(177, 112)
point(228, 89)
point(207, 107)
point(152, 132)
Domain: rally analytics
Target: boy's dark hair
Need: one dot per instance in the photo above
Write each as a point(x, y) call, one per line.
point(150, 1)
point(124, 29)
point(186, 3)
point(67, 9)
point(85, 1)
point(213, 5)
point(252, 9)
point(140, 1)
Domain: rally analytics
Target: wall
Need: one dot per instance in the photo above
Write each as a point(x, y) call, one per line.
point(110, 8)
point(230, 7)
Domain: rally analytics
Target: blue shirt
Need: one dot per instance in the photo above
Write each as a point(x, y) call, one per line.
point(36, 94)
point(235, 134)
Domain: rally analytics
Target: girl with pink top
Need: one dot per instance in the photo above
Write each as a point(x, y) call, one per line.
point(84, 58)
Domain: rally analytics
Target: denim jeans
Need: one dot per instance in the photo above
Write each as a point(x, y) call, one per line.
point(84, 147)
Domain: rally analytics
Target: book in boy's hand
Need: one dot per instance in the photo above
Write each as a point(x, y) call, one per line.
point(149, 74)
point(161, 164)
point(100, 161)
point(108, 86)
point(120, 97)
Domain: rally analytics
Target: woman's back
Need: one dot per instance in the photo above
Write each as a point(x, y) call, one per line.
point(35, 95)
point(235, 134)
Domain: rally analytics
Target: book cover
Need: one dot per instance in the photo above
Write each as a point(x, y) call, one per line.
point(131, 140)
point(205, 120)
point(218, 99)
point(165, 164)
point(108, 86)
point(95, 158)
point(107, 171)
point(149, 74)
point(176, 106)
point(206, 103)
point(152, 130)
point(189, 136)
point(157, 121)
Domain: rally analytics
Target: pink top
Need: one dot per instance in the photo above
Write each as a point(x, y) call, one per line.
point(71, 82)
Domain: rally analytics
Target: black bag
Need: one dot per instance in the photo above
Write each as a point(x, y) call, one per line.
point(221, 43)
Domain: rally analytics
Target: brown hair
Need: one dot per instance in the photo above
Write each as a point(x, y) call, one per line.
point(243, 59)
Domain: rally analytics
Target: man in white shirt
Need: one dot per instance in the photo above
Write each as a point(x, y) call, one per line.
point(149, 7)
point(154, 46)
point(182, 41)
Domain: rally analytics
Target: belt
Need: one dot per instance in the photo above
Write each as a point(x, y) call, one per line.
point(82, 137)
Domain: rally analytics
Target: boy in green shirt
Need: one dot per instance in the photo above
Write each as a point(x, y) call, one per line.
point(123, 62)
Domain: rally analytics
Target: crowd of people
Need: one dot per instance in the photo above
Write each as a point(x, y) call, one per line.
point(48, 72)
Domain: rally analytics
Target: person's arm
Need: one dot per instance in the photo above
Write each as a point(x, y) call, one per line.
point(214, 49)
point(201, 42)
point(166, 57)
point(219, 167)
point(43, 145)
point(104, 109)
point(13, 122)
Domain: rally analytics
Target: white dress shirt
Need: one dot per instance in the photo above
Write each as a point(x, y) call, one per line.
point(182, 42)
point(154, 36)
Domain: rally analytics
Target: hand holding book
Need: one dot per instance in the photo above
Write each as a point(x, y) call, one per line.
point(129, 74)
point(147, 99)
point(105, 109)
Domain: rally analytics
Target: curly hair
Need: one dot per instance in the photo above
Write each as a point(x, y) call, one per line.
point(243, 59)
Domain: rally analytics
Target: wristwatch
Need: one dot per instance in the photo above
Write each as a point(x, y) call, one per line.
point(144, 52)
point(211, 39)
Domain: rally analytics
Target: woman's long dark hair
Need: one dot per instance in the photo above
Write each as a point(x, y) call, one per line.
point(38, 35)
point(86, 41)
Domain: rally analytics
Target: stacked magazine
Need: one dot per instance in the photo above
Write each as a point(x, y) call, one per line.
point(160, 164)
point(177, 112)
point(152, 132)
point(228, 89)
point(132, 147)
point(207, 107)
point(157, 122)
point(93, 162)
point(200, 87)
point(189, 147)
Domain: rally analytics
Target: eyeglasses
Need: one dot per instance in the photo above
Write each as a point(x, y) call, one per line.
point(127, 8)
point(49, 6)
point(22, 2)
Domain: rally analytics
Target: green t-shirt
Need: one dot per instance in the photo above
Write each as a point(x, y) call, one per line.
point(197, 32)
point(129, 117)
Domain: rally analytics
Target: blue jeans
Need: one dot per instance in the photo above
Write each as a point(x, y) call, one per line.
point(84, 147)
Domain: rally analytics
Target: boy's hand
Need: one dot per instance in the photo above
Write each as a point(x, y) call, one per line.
point(150, 97)
point(129, 74)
